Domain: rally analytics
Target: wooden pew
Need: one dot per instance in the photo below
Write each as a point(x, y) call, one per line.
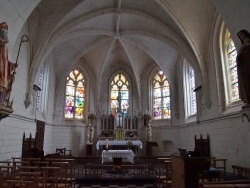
point(229, 183)
point(67, 172)
point(50, 176)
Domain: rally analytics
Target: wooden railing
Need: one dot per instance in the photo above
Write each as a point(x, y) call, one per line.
point(35, 172)
point(142, 167)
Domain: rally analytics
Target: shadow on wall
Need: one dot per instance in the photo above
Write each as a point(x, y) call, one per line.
point(77, 143)
point(168, 147)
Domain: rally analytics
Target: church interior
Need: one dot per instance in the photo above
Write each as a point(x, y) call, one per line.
point(144, 78)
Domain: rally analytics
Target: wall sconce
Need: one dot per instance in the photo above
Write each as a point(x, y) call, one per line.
point(36, 88)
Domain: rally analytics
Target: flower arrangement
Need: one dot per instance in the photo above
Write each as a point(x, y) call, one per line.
point(130, 133)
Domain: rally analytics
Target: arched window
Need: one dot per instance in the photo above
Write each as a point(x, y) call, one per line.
point(230, 69)
point(38, 92)
point(189, 86)
point(161, 97)
point(119, 95)
point(41, 87)
point(74, 100)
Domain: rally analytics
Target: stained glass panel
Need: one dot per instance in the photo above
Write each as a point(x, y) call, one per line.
point(161, 95)
point(235, 92)
point(74, 101)
point(70, 90)
point(119, 95)
point(232, 68)
point(38, 97)
point(192, 93)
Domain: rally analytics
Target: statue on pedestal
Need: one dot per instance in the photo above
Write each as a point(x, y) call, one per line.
point(90, 134)
point(7, 71)
point(149, 132)
point(243, 67)
point(6, 67)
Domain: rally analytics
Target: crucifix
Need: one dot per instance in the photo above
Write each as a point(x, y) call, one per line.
point(119, 99)
point(119, 115)
point(119, 111)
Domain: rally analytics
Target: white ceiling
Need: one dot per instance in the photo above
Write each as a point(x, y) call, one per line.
point(129, 33)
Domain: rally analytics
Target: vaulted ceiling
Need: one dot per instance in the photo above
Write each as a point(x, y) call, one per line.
point(132, 33)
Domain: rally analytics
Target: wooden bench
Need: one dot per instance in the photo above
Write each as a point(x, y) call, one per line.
point(21, 184)
point(50, 176)
point(229, 183)
point(241, 172)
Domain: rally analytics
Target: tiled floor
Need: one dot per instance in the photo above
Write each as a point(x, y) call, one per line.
point(118, 186)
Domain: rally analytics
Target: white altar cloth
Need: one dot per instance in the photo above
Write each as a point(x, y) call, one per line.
point(118, 143)
point(126, 155)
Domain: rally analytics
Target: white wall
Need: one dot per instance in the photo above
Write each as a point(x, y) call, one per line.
point(228, 134)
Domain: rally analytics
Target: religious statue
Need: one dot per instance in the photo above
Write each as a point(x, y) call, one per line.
point(243, 67)
point(90, 134)
point(149, 132)
point(6, 67)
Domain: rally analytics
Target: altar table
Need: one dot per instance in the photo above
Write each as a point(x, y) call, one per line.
point(118, 143)
point(126, 155)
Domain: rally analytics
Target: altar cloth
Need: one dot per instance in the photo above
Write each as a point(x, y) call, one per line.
point(126, 155)
point(118, 143)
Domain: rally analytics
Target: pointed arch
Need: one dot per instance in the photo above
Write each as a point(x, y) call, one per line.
point(161, 96)
point(189, 87)
point(230, 74)
point(75, 95)
point(119, 94)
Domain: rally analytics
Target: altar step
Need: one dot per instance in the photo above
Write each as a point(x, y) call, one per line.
point(118, 181)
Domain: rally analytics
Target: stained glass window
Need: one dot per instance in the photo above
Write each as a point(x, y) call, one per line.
point(161, 93)
point(119, 95)
point(188, 87)
point(231, 54)
point(75, 95)
point(193, 94)
point(38, 94)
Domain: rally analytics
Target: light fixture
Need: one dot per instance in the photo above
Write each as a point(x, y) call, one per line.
point(36, 88)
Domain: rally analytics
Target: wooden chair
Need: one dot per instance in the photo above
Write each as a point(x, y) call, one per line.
point(68, 153)
point(61, 151)
point(246, 172)
point(50, 176)
point(7, 170)
point(237, 171)
point(220, 164)
point(208, 170)
point(70, 171)
point(66, 177)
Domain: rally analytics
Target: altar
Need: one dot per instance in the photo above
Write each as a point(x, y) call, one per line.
point(126, 155)
point(101, 143)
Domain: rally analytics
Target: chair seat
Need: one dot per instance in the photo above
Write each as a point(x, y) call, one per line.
point(212, 173)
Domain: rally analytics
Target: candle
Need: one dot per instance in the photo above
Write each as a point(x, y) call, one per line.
point(107, 143)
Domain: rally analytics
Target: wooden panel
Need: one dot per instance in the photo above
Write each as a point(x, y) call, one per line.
point(202, 146)
point(178, 173)
point(40, 128)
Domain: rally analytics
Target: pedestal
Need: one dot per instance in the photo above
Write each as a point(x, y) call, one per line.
point(5, 111)
point(245, 113)
point(89, 149)
point(149, 147)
